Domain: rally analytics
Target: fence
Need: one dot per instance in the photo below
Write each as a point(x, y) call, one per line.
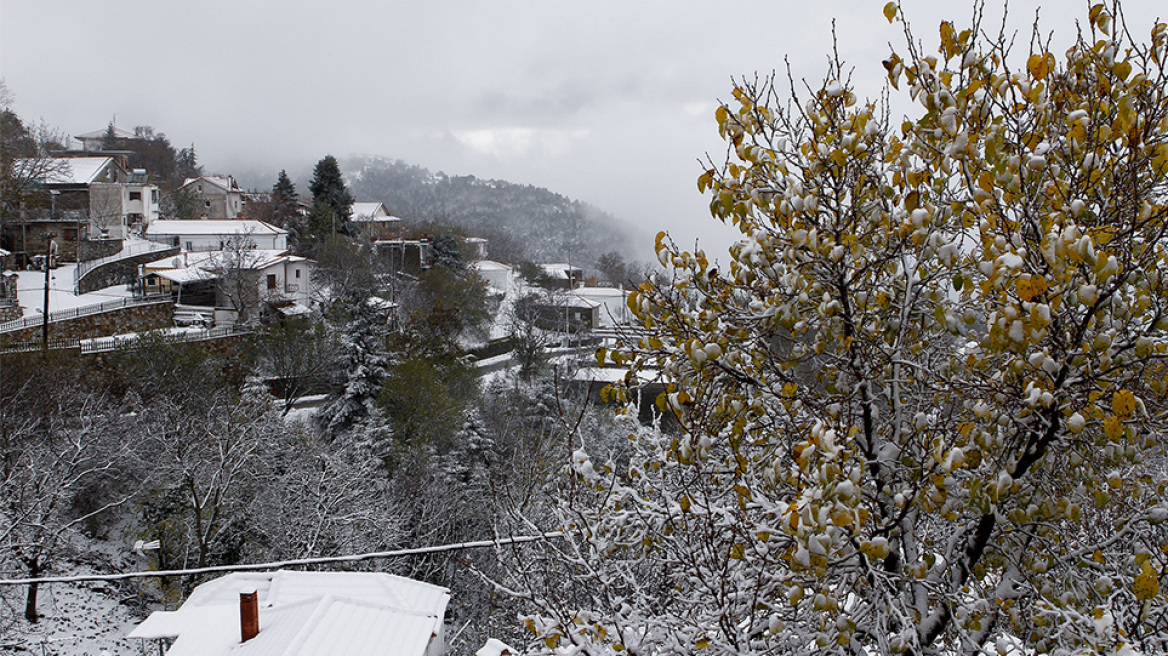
point(112, 343)
point(83, 311)
point(128, 251)
point(105, 344)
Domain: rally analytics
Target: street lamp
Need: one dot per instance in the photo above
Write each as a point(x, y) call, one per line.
point(48, 237)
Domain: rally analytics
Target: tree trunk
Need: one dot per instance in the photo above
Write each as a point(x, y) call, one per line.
point(30, 604)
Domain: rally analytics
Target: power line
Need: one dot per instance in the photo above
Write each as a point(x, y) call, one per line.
point(287, 563)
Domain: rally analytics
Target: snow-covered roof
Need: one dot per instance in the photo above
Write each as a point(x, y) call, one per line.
point(100, 134)
point(66, 170)
point(212, 227)
point(559, 269)
point(489, 265)
point(185, 267)
point(372, 212)
point(305, 613)
point(225, 183)
point(4, 253)
point(602, 293)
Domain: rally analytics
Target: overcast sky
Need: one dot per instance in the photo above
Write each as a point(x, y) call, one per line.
point(607, 101)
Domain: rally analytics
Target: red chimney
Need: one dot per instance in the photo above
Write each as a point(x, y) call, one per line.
point(249, 614)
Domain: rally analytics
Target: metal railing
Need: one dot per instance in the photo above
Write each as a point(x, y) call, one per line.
point(106, 344)
point(84, 311)
point(132, 250)
point(115, 342)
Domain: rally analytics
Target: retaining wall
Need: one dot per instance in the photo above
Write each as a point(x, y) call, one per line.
point(114, 322)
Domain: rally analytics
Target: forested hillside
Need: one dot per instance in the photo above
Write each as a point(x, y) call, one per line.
point(522, 222)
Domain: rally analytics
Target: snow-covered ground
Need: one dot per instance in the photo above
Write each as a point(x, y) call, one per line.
point(31, 291)
point(79, 619)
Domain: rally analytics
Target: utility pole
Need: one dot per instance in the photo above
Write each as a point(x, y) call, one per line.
point(48, 237)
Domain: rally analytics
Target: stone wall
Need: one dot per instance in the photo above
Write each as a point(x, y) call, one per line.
point(92, 249)
point(115, 322)
point(120, 272)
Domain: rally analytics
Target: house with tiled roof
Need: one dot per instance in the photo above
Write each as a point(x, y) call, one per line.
point(288, 613)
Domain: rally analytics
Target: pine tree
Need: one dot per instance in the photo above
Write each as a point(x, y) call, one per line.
point(328, 189)
point(286, 210)
point(285, 200)
point(366, 366)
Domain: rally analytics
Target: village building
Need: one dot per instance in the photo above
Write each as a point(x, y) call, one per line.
point(374, 221)
point(234, 284)
point(79, 199)
point(213, 235)
point(218, 197)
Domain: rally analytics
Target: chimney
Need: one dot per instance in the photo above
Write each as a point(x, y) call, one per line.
point(249, 614)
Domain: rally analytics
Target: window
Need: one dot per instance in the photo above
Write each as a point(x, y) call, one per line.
point(298, 273)
point(154, 196)
point(206, 203)
point(135, 195)
point(271, 281)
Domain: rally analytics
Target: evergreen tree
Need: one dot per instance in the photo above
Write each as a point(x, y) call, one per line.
point(285, 210)
point(329, 190)
point(366, 366)
point(285, 200)
point(187, 164)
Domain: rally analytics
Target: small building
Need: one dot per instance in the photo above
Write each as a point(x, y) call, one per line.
point(496, 274)
point(219, 197)
point(560, 312)
point(214, 235)
point(562, 275)
point(613, 301)
point(303, 613)
point(250, 282)
point(374, 220)
point(95, 140)
point(408, 256)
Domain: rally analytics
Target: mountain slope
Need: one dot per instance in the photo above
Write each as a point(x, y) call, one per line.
point(522, 222)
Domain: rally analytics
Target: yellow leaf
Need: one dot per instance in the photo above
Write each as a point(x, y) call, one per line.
point(890, 11)
point(702, 644)
point(1040, 65)
point(1147, 585)
point(1123, 404)
point(1121, 70)
point(1113, 428)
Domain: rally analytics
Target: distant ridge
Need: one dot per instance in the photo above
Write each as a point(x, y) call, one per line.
point(522, 222)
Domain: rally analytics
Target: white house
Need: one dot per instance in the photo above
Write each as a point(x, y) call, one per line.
point(287, 613)
point(613, 302)
point(496, 274)
point(214, 235)
point(232, 280)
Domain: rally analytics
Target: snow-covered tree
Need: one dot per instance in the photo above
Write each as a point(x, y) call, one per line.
point(923, 404)
point(365, 364)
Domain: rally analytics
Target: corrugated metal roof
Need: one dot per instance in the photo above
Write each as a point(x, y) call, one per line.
point(306, 614)
point(171, 227)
